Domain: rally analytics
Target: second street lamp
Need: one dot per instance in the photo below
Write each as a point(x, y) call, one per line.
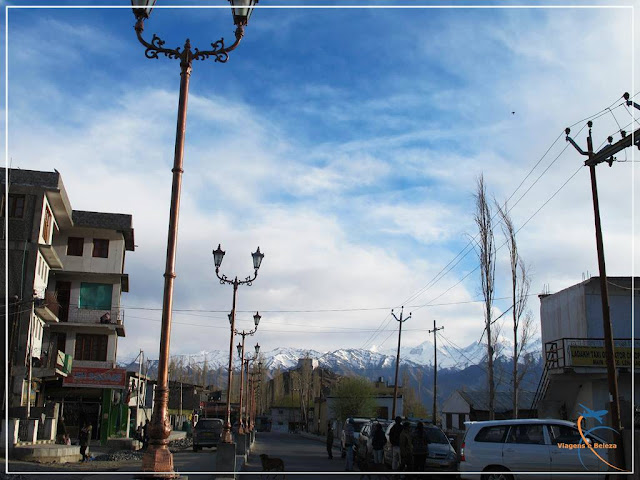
point(256, 321)
point(158, 458)
point(218, 255)
point(250, 389)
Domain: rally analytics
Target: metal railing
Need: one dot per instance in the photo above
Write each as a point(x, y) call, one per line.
point(586, 352)
point(115, 316)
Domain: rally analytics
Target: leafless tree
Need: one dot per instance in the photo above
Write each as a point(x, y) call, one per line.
point(487, 255)
point(523, 328)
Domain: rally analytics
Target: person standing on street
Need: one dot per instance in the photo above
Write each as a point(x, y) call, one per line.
point(406, 448)
point(394, 438)
point(349, 442)
point(145, 434)
point(330, 440)
point(420, 447)
point(84, 437)
point(377, 443)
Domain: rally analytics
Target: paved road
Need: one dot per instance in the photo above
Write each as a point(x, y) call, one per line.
point(309, 456)
point(184, 461)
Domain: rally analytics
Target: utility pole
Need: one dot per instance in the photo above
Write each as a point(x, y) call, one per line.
point(606, 155)
point(435, 367)
point(395, 383)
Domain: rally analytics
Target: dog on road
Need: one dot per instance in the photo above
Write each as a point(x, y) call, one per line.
point(271, 464)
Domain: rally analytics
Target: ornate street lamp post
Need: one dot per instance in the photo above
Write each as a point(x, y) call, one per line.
point(249, 376)
point(218, 255)
point(256, 320)
point(157, 458)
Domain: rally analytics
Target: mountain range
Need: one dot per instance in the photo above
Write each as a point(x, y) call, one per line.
point(458, 367)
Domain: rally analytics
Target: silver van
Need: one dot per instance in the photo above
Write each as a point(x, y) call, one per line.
point(546, 447)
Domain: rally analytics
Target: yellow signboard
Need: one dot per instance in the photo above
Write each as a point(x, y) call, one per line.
point(583, 356)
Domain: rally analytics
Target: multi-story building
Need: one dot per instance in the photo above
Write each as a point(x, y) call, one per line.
point(74, 277)
point(37, 208)
point(575, 373)
point(573, 340)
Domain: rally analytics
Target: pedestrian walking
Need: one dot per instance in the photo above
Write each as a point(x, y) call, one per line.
point(377, 443)
point(84, 437)
point(394, 439)
point(330, 440)
point(349, 442)
point(420, 443)
point(406, 448)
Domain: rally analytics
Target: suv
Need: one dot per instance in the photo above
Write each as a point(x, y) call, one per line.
point(442, 456)
point(207, 433)
point(358, 423)
point(364, 449)
point(543, 446)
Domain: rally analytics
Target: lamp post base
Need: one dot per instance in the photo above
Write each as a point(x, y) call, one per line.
point(159, 459)
point(226, 458)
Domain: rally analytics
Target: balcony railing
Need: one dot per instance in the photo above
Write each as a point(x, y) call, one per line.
point(48, 307)
point(590, 352)
point(114, 316)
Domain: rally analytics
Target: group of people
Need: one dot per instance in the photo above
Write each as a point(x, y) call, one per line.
point(409, 447)
point(84, 436)
point(142, 433)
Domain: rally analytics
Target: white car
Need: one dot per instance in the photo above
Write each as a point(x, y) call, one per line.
point(505, 448)
point(358, 423)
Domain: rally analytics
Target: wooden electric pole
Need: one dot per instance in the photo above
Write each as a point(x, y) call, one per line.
point(606, 155)
point(395, 386)
point(435, 369)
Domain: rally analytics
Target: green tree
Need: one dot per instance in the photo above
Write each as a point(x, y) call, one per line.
point(354, 398)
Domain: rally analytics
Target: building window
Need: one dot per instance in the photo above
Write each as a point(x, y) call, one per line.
point(16, 206)
point(95, 296)
point(91, 347)
point(100, 247)
point(75, 246)
point(46, 226)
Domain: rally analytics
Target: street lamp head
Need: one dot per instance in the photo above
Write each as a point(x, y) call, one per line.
point(257, 348)
point(218, 255)
point(256, 319)
point(257, 259)
point(142, 8)
point(241, 10)
point(239, 347)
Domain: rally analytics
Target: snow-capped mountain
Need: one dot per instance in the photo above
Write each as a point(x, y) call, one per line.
point(353, 360)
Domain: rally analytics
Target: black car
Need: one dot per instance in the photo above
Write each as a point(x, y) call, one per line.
point(207, 433)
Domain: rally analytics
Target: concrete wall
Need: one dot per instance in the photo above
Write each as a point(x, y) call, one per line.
point(87, 263)
point(576, 312)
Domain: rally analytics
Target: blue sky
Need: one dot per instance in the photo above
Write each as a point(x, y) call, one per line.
point(345, 142)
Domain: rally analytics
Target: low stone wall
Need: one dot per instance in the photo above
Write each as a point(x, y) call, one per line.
point(47, 453)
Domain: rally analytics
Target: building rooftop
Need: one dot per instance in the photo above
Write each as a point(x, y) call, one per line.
point(503, 401)
point(113, 221)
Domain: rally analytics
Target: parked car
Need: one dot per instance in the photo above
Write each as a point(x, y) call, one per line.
point(358, 423)
point(534, 445)
point(364, 449)
point(442, 456)
point(207, 433)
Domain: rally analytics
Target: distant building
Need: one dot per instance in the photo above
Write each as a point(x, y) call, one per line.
point(464, 406)
point(573, 341)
